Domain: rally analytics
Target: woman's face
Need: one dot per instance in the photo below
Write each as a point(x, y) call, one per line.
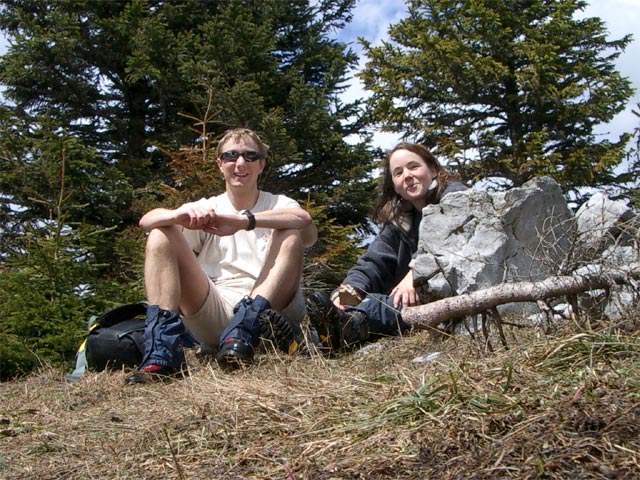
point(411, 176)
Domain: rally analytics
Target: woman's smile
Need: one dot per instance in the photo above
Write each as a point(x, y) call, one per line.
point(411, 176)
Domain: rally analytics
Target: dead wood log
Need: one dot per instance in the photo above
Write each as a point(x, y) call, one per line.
point(434, 313)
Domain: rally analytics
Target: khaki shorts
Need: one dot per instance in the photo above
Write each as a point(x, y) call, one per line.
point(208, 323)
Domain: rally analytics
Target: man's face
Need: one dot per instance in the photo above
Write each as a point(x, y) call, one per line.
point(239, 171)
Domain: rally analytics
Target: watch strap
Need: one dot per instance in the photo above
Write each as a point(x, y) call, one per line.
point(251, 217)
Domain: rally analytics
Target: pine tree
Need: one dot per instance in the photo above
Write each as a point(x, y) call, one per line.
point(50, 282)
point(634, 160)
point(119, 75)
point(508, 89)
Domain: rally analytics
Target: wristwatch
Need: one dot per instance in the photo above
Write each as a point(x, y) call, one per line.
point(251, 217)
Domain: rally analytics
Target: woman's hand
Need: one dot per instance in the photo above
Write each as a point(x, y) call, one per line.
point(346, 296)
point(338, 303)
point(405, 292)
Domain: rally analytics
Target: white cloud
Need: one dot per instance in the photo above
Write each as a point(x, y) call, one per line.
point(372, 18)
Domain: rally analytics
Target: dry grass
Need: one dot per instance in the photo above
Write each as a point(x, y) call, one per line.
point(561, 406)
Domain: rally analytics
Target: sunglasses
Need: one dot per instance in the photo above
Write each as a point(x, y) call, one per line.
point(232, 156)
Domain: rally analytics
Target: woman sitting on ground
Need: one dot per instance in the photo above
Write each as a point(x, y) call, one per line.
point(368, 303)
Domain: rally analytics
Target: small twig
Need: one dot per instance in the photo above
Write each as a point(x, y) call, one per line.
point(289, 472)
point(179, 469)
point(485, 331)
point(498, 321)
point(546, 309)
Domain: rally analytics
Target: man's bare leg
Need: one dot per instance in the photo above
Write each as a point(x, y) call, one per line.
point(173, 277)
point(280, 277)
point(174, 281)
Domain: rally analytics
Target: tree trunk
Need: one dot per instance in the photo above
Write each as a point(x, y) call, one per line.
point(434, 313)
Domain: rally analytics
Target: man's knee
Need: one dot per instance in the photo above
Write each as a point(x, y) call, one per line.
point(280, 277)
point(288, 241)
point(161, 239)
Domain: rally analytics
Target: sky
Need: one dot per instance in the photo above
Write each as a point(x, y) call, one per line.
point(372, 18)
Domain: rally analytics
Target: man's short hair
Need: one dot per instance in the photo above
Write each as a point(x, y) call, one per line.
point(238, 134)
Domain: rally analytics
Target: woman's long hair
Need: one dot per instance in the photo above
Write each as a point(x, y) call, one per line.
point(391, 207)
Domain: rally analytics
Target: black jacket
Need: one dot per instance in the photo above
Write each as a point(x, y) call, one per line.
point(387, 258)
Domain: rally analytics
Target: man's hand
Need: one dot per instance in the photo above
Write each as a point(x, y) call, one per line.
point(225, 225)
point(405, 292)
point(197, 215)
point(200, 215)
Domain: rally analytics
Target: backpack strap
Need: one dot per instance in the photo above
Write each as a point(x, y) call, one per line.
point(123, 312)
point(81, 355)
point(107, 319)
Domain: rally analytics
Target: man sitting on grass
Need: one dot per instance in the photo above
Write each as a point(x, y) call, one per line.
point(226, 266)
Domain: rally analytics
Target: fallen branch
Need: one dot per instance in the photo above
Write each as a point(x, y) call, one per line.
point(434, 313)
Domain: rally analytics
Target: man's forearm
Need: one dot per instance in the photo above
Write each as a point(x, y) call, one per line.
point(284, 218)
point(289, 218)
point(159, 217)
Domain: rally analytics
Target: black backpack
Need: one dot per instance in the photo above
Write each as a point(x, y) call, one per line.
point(115, 339)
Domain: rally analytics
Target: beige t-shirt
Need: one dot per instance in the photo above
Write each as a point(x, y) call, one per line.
point(235, 261)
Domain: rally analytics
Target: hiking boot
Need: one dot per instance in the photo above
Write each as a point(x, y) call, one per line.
point(206, 351)
point(154, 373)
point(165, 337)
point(284, 334)
point(239, 340)
point(234, 353)
point(278, 331)
point(338, 330)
